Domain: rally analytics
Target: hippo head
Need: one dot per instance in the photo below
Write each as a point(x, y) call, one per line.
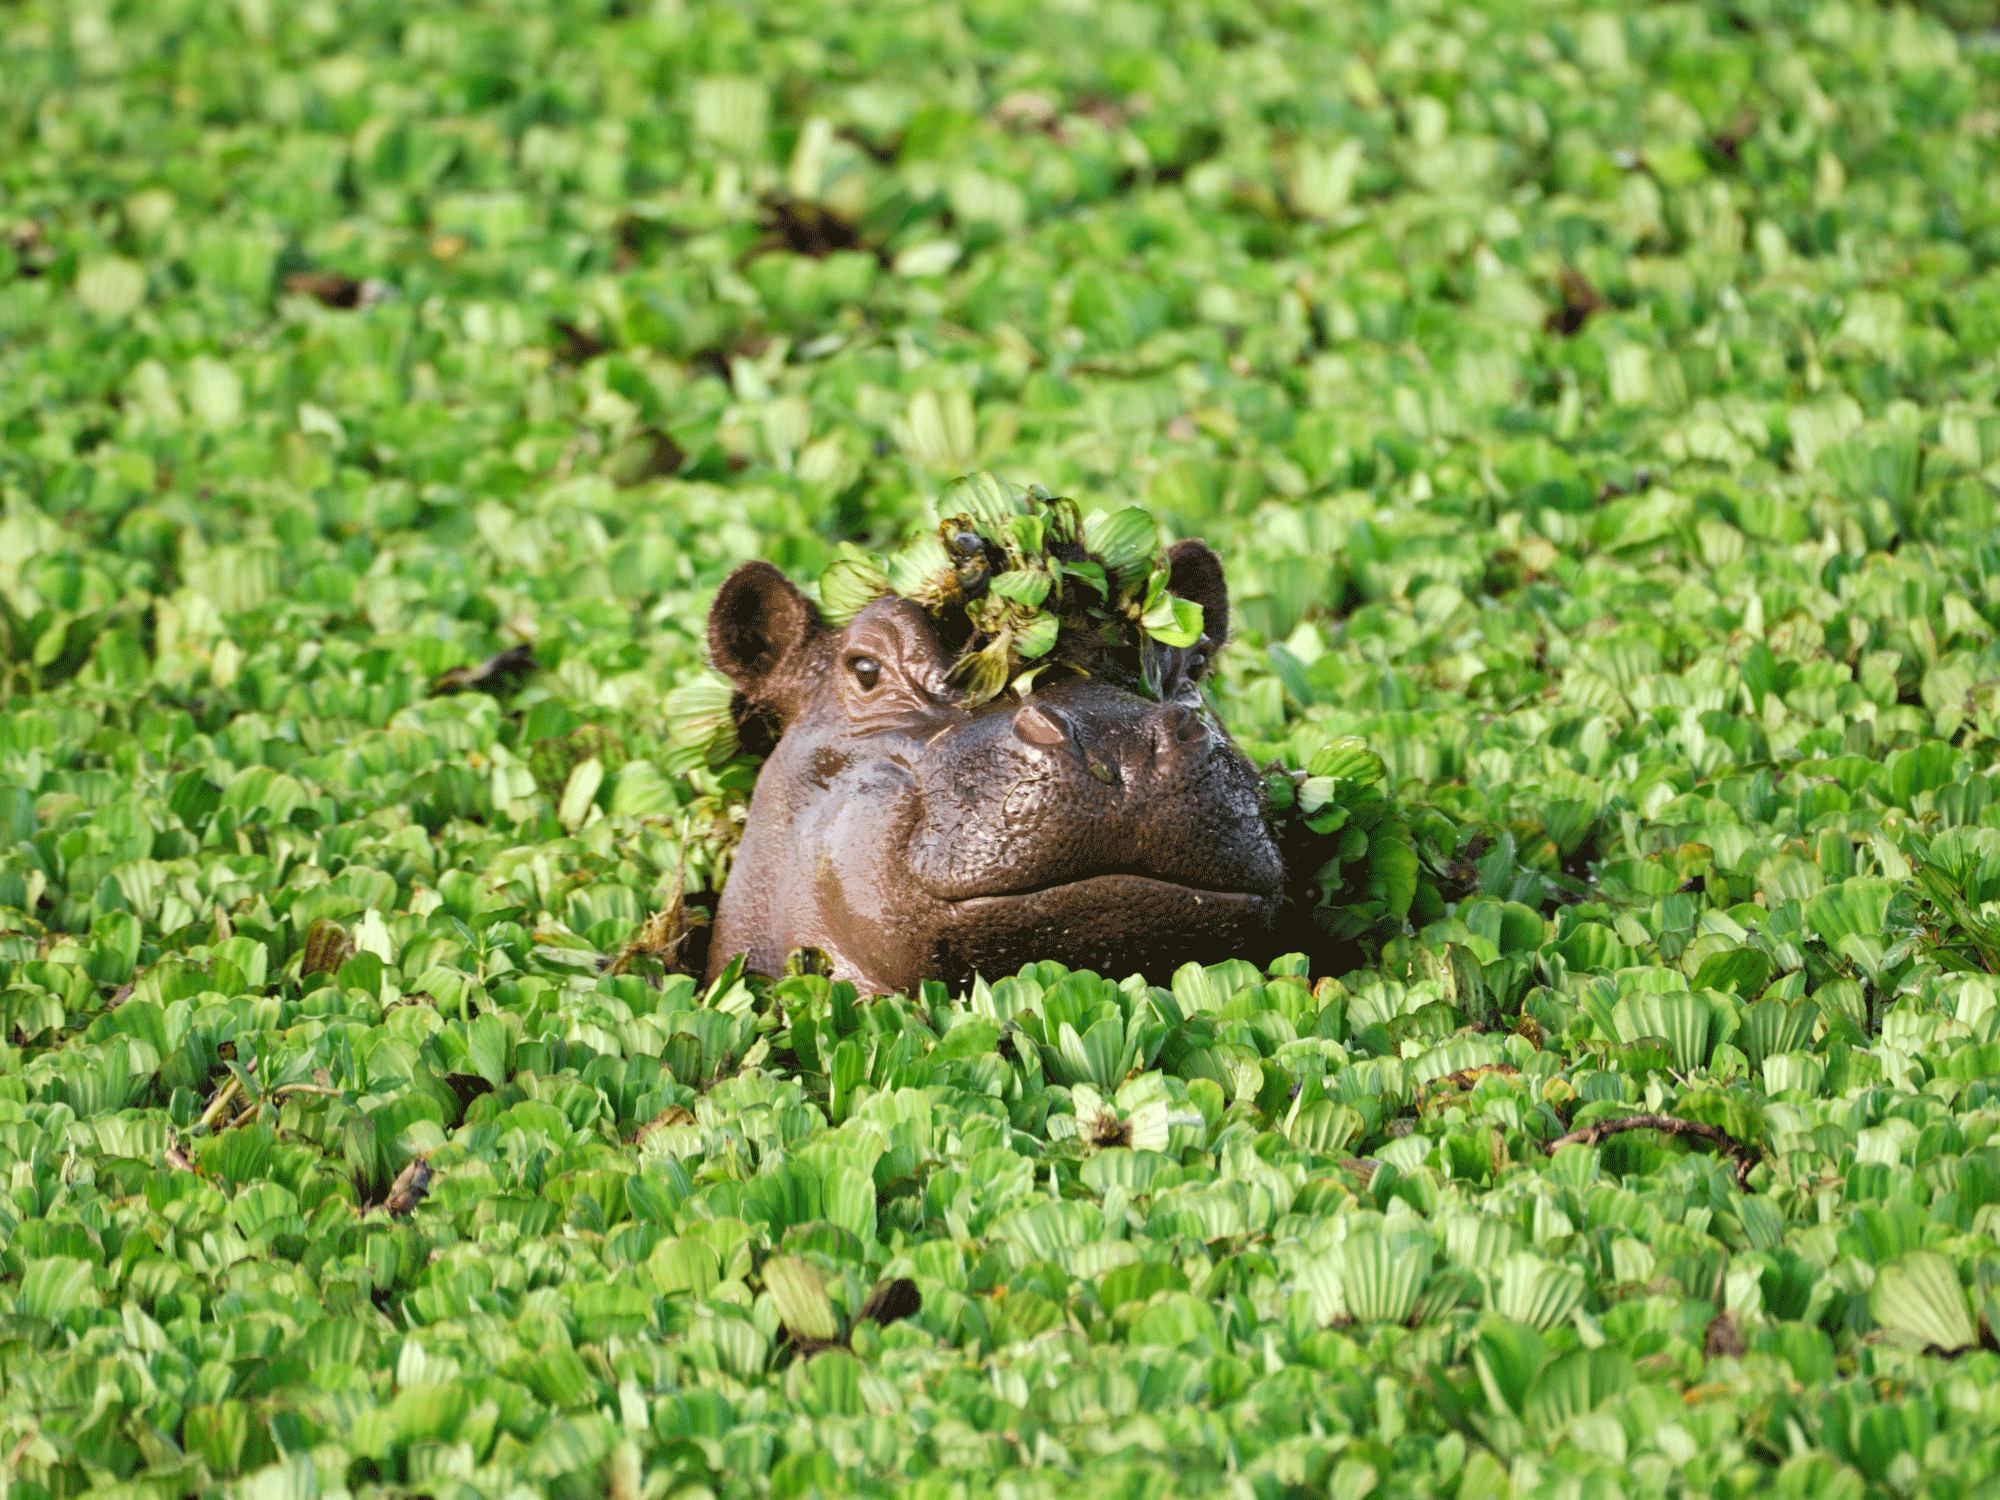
point(911, 837)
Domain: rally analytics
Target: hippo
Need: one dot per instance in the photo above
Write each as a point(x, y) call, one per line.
point(910, 837)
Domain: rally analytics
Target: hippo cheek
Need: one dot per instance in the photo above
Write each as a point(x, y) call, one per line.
point(1111, 924)
point(867, 915)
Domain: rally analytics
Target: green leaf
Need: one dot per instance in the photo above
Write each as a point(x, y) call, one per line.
point(240, 1155)
point(1100, 1056)
point(1575, 1385)
point(849, 1200)
point(111, 286)
point(1743, 972)
point(921, 568)
point(1089, 573)
point(801, 1298)
point(50, 1288)
point(1508, 1357)
point(854, 580)
point(1347, 759)
point(1682, 1019)
point(1854, 908)
point(579, 792)
point(1037, 637)
point(989, 500)
point(1919, 1296)
point(1382, 1281)
point(1173, 621)
point(489, 1049)
point(1028, 586)
point(1392, 868)
point(1126, 542)
point(1529, 1290)
point(1771, 1027)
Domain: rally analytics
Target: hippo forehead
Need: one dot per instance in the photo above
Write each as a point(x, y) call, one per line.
point(888, 672)
point(901, 631)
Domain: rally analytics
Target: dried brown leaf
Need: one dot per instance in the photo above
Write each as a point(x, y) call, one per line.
point(409, 1188)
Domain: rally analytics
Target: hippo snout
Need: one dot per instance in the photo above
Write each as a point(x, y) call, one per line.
point(1088, 780)
point(1166, 730)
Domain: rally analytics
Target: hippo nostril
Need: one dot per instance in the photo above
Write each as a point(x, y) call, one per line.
point(1040, 726)
point(1178, 724)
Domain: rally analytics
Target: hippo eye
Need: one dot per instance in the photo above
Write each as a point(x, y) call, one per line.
point(867, 671)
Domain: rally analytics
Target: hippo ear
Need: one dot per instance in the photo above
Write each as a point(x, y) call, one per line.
point(1197, 575)
point(757, 628)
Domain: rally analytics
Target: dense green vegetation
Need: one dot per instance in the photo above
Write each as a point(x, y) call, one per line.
point(1595, 406)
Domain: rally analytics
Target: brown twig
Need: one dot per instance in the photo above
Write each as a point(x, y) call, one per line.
point(219, 1103)
point(665, 934)
point(257, 1105)
point(1746, 1155)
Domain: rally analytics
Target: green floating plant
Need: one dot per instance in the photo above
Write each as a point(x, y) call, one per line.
point(1348, 844)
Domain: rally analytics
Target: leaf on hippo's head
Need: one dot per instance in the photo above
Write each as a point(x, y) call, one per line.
point(1090, 573)
point(1017, 578)
point(1024, 539)
point(1347, 759)
point(1126, 542)
point(852, 582)
point(1172, 620)
point(983, 673)
point(1037, 637)
point(1029, 586)
point(923, 570)
point(988, 499)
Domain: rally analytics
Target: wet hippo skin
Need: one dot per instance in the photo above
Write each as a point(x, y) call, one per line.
point(912, 838)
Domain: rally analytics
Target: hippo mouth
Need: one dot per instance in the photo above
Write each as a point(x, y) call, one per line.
point(1112, 923)
point(1115, 885)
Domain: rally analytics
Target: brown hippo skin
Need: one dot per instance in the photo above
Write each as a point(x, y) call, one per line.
point(911, 838)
